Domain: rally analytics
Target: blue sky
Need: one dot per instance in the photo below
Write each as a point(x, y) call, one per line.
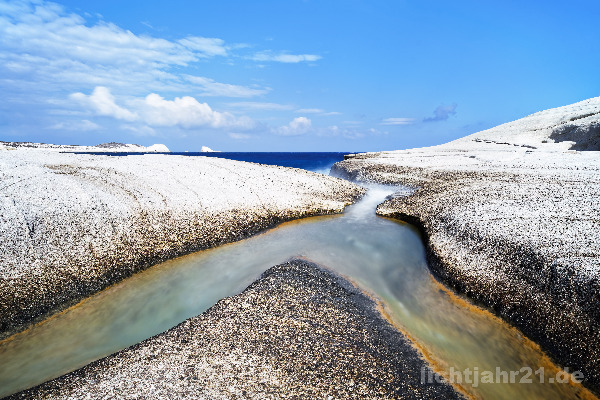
point(305, 75)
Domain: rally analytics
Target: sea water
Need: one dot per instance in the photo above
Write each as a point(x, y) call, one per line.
point(312, 161)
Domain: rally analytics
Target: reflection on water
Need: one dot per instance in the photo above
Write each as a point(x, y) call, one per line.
point(382, 256)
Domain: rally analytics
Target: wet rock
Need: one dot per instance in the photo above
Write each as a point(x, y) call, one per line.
point(514, 228)
point(298, 332)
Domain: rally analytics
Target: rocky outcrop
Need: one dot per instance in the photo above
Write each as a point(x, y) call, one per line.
point(572, 127)
point(111, 147)
point(584, 138)
point(513, 223)
point(298, 332)
point(73, 224)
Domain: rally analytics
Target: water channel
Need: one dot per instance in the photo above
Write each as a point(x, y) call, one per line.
point(384, 257)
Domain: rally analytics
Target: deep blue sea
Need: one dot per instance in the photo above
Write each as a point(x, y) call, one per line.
point(318, 161)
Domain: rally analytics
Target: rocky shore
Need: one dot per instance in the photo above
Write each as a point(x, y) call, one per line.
point(511, 218)
point(299, 331)
point(73, 224)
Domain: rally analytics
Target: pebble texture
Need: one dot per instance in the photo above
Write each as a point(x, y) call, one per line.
point(73, 224)
point(513, 221)
point(298, 332)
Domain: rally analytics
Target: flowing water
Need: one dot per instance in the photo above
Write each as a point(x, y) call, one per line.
point(384, 257)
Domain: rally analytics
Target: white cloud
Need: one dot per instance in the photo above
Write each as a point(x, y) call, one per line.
point(285, 57)
point(310, 110)
point(317, 111)
point(206, 46)
point(186, 112)
point(153, 110)
point(44, 48)
point(48, 52)
point(397, 121)
point(298, 126)
point(303, 125)
point(212, 88)
point(47, 31)
point(102, 102)
point(254, 105)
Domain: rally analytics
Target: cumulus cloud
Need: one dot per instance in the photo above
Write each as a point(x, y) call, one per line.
point(48, 52)
point(186, 112)
point(102, 102)
point(442, 113)
point(155, 111)
point(397, 121)
point(285, 57)
point(298, 126)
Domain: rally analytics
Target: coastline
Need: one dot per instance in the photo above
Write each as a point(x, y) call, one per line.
point(510, 219)
point(75, 224)
point(496, 217)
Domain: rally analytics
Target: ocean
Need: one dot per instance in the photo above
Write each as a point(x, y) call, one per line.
point(312, 161)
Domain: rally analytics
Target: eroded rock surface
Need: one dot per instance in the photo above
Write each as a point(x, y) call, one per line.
point(298, 332)
point(72, 224)
point(512, 219)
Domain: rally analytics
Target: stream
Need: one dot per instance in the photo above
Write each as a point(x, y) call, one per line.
point(384, 257)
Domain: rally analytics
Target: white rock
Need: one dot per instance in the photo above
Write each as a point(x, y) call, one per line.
point(554, 129)
point(73, 223)
point(160, 148)
point(111, 147)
